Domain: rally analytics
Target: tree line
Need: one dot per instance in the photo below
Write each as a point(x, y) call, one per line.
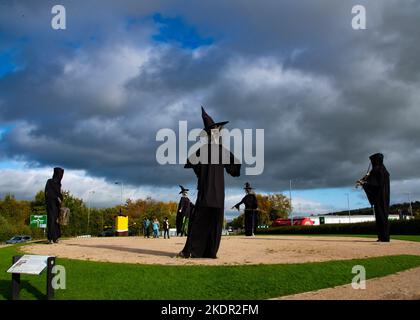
point(15, 214)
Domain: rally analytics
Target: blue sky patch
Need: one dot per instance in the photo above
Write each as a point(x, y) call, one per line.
point(175, 29)
point(11, 164)
point(4, 129)
point(333, 198)
point(8, 62)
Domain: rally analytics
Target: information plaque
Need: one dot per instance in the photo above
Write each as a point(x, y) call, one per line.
point(29, 264)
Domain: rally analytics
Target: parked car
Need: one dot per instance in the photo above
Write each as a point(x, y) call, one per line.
point(18, 239)
point(107, 233)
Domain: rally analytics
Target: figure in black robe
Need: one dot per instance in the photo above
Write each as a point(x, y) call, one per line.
point(183, 213)
point(53, 198)
point(251, 205)
point(206, 226)
point(376, 186)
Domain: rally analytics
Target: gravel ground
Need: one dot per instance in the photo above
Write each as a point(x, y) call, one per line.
point(233, 250)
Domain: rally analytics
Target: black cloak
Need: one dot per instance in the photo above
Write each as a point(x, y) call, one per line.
point(206, 226)
point(377, 188)
point(251, 204)
point(184, 211)
point(53, 198)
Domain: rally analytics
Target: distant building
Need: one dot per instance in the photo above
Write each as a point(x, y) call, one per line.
point(328, 219)
point(331, 219)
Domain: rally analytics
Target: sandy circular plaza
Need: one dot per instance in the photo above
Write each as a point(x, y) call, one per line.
point(234, 250)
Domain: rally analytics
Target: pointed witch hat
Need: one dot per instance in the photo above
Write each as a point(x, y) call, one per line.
point(209, 122)
point(183, 189)
point(247, 186)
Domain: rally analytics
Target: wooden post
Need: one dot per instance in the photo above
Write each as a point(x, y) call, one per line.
point(50, 289)
point(15, 281)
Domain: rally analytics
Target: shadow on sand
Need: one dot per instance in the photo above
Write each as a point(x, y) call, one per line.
point(314, 239)
point(132, 250)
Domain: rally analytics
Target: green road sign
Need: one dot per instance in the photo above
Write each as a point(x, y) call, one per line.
point(38, 221)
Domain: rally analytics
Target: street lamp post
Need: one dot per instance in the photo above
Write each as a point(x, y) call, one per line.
point(290, 197)
point(348, 205)
point(89, 201)
point(122, 186)
point(409, 201)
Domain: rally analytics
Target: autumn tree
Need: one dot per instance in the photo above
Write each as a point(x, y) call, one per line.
point(271, 207)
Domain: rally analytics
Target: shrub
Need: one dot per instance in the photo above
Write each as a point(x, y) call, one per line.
point(405, 227)
point(9, 229)
point(6, 229)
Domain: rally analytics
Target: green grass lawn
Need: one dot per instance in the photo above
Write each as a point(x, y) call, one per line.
point(96, 280)
point(396, 237)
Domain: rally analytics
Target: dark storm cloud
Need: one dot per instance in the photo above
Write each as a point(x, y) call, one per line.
point(93, 97)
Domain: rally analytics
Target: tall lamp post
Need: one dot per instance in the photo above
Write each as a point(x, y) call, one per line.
point(290, 198)
point(89, 200)
point(122, 187)
point(348, 205)
point(409, 201)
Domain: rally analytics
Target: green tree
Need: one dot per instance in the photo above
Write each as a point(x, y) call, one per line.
point(14, 217)
point(15, 211)
point(78, 221)
point(38, 204)
point(272, 207)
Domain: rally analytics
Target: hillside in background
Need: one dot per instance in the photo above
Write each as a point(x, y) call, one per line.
point(395, 209)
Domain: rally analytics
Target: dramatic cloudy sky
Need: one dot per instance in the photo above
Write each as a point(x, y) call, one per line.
point(92, 97)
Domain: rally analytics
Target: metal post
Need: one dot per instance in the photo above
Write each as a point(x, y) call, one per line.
point(122, 190)
point(409, 200)
point(290, 197)
point(15, 281)
point(88, 216)
point(50, 289)
point(89, 205)
point(348, 205)
point(122, 186)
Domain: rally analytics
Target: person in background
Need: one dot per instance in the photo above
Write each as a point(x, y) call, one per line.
point(53, 199)
point(146, 225)
point(165, 228)
point(155, 228)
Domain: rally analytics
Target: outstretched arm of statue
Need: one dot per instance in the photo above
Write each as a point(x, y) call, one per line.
point(238, 204)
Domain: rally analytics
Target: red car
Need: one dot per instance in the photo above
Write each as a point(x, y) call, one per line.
point(296, 222)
